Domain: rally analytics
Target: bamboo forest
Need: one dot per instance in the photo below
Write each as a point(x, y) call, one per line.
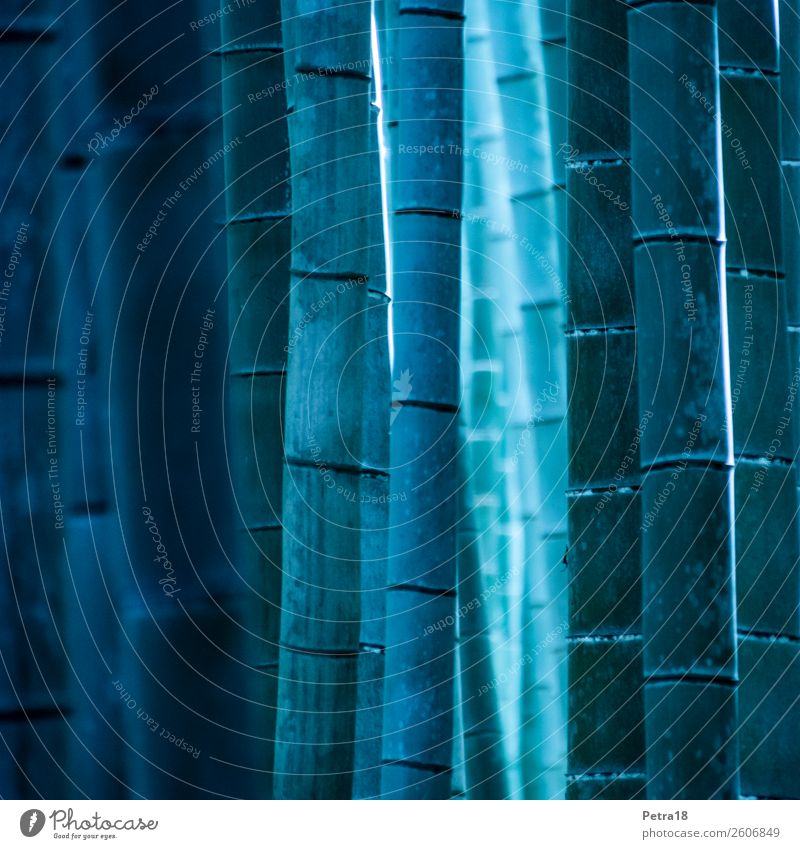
point(397, 399)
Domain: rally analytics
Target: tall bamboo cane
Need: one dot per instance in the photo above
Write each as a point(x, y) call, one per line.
point(606, 739)
point(33, 681)
point(689, 617)
point(789, 20)
point(764, 388)
point(484, 751)
point(426, 188)
point(95, 554)
point(486, 302)
point(258, 224)
point(538, 448)
point(553, 35)
point(327, 51)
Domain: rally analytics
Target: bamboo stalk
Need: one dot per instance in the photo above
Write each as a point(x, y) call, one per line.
point(789, 20)
point(763, 395)
point(33, 683)
point(426, 258)
point(258, 225)
point(553, 35)
point(488, 258)
point(539, 445)
point(606, 745)
point(94, 757)
point(689, 616)
point(484, 745)
point(327, 52)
